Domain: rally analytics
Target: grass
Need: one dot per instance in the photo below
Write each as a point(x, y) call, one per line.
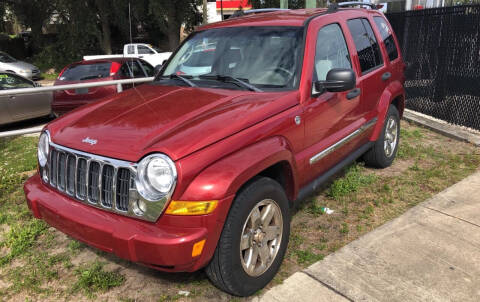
point(93, 278)
point(39, 263)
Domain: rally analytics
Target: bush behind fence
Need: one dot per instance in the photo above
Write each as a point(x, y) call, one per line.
point(442, 48)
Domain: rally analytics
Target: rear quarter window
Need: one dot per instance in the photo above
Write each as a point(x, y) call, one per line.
point(83, 72)
point(366, 44)
point(387, 37)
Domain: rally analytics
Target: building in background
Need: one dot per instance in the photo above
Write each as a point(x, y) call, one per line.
point(214, 8)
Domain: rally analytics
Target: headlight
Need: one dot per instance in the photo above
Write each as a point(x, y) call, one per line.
point(156, 177)
point(43, 143)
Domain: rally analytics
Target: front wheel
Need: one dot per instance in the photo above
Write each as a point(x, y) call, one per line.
point(385, 148)
point(254, 239)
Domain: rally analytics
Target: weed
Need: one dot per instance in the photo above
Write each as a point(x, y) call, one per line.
point(92, 278)
point(307, 257)
point(353, 180)
point(21, 238)
point(344, 229)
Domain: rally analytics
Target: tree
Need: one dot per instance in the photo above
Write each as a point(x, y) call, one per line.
point(172, 14)
point(293, 4)
point(34, 14)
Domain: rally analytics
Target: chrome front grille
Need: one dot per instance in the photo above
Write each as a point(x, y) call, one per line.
point(95, 180)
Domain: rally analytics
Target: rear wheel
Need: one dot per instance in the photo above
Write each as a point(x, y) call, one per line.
point(385, 148)
point(254, 239)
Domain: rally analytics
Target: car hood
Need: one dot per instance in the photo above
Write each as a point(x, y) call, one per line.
point(170, 119)
point(19, 65)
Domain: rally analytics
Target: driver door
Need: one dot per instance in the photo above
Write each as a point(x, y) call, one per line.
point(329, 116)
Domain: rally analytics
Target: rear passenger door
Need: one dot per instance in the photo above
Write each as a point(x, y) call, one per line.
point(372, 74)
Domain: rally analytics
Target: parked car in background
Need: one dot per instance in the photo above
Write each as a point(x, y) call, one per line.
point(14, 108)
point(10, 64)
point(147, 52)
point(201, 171)
point(95, 71)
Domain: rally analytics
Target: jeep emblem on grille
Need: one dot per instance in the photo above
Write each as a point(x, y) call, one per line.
point(90, 141)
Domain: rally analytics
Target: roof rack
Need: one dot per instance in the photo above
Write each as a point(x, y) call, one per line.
point(335, 6)
point(240, 13)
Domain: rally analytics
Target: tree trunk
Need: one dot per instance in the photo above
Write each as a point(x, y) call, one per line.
point(106, 37)
point(173, 29)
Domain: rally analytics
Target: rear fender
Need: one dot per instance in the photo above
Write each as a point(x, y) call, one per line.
point(393, 91)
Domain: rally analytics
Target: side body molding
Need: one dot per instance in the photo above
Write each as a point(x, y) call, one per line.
point(393, 90)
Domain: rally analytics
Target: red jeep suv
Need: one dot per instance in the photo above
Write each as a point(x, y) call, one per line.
point(200, 170)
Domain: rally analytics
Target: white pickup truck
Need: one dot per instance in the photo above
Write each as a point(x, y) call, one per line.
point(146, 52)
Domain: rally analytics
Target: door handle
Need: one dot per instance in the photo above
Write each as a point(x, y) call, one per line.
point(12, 97)
point(386, 76)
point(353, 93)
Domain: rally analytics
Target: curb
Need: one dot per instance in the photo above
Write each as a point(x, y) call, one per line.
point(455, 132)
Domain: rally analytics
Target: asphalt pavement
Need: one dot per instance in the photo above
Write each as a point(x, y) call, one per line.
point(430, 253)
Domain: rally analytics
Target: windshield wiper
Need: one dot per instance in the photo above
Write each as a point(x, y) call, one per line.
point(176, 76)
point(238, 81)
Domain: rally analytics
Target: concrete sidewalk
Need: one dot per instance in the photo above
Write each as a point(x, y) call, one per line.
point(430, 253)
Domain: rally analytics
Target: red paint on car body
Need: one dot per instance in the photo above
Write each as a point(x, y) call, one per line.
point(219, 139)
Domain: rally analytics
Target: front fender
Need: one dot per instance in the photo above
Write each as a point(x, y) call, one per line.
point(394, 90)
point(226, 176)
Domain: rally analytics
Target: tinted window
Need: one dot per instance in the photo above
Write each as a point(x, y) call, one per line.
point(331, 51)
point(367, 46)
point(86, 72)
point(6, 58)
point(136, 69)
point(147, 67)
point(387, 37)
point(10, 81)
point(131, 49)
point(143, 50)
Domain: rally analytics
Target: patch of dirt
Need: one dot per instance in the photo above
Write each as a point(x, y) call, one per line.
point(398, 167)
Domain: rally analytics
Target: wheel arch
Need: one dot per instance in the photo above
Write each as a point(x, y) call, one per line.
point(394, 94)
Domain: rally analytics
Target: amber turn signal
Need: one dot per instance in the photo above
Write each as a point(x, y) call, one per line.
point(191, 207)
point(197, 248)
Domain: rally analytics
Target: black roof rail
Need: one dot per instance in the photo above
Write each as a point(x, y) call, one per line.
point(334, 6)
point(240, 13)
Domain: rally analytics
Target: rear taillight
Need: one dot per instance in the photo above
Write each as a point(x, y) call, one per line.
point(114, 68)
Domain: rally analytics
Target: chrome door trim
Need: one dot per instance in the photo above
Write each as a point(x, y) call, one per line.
point(343, 141)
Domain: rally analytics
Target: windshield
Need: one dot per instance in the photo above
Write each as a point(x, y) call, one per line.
point(6, 58)
point(264, 57)
point(86, 72)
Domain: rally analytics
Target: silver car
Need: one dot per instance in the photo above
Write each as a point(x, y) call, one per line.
point(10, 64)
point(14, 108)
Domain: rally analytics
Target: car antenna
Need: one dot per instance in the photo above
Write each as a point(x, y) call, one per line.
point(131, 40)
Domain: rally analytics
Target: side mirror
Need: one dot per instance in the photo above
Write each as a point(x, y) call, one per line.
point(157, 69)
point(338, 79)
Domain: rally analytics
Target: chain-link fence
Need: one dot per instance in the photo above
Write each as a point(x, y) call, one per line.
point(442, 49)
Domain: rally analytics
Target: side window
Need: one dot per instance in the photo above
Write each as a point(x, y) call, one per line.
point(131, 49)
point(387, 37)
point(125, 71)
point(368, 50)
point(147, 67)
point(331, 51)
point(143, 50)
point(136, 69)
point(9, 81)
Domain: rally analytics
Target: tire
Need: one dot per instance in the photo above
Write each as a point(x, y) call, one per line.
point(229, 268)
point(379, 155)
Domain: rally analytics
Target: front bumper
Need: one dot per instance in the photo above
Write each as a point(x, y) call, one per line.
point(165, 245)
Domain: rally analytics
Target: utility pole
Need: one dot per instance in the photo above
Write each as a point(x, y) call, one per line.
point(205, 12)
point(221, 8)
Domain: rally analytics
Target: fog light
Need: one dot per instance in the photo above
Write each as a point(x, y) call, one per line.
point(139, 207)
point(197, 248)
point(191, 207)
